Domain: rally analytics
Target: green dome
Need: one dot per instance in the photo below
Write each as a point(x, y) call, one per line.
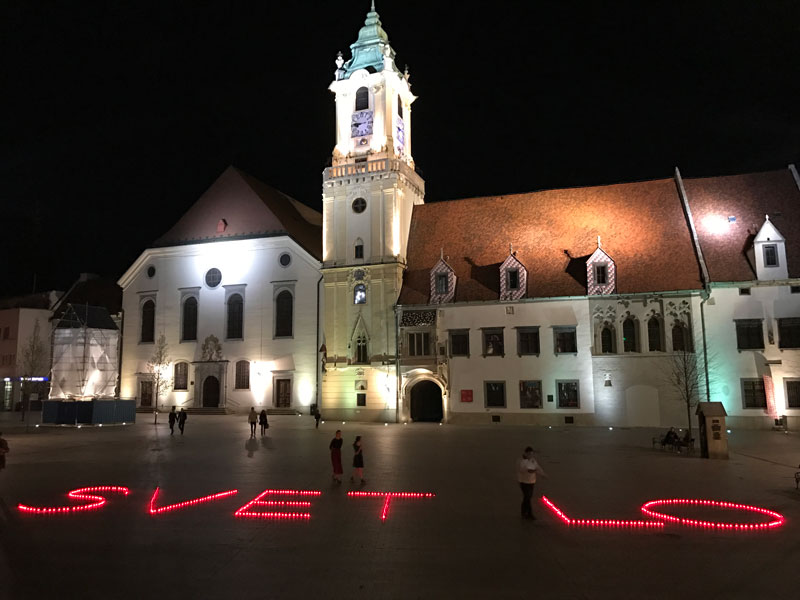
point(370, 48)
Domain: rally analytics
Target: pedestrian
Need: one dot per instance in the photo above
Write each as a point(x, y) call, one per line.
point(173, 416)
point(262, 420)
point(527, 468)
point(182, 416)
point(317, 417)
point(4, 450)
point(336, 456)
point(358, 461)
point(252, 418)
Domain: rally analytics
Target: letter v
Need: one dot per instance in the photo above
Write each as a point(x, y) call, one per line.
point(179, 505)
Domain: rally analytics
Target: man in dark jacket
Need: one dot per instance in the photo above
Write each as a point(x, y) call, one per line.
point(173, 416)
point(182, 416)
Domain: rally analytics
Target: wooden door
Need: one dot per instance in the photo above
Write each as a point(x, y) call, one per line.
point(146, 393)
point(283, 393)
point(211, 392)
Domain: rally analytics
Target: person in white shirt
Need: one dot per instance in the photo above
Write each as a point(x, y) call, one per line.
point(527, 468)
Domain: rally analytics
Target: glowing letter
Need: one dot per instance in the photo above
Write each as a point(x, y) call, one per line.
point(179, 505)
point(246, 511)
point(87, 493)
point(387, 498)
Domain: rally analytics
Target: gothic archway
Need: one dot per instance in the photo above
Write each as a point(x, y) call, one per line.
point(211, 392)
point(426, 402)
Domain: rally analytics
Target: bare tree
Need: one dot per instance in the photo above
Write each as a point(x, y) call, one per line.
point(158, 365)
point(685, 377)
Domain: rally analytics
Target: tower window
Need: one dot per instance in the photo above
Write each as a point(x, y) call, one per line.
point(359, 205)
point(513, 279)
point(442, 283)
point(362, 99)
point(771, 255)
point(360, 294)
point(601, 274)
point(359, 249)
point(399, 106)
point(361, 350)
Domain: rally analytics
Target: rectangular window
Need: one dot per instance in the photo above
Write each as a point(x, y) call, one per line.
point(794, 289)
point(513, 279)
point(459, 342)
point(530, 394)
point(495, 394)
point(770, 255)
point(565, 340)
point(568, 393)
point(242, 380)
point(419, 344)
point(359, 251)
point(744, 291)
point(361, 399)
point(442, 283)
point(749, 334)
point(789, 333)
point(753, 394)
point(527, 341)
point(181, 378)
point(601, 274)
point(793, 393)
point(493, 342)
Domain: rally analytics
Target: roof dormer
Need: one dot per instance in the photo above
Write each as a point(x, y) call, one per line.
point(770, 251)
point(513, 277)
point(601, 273)
point(443, 282)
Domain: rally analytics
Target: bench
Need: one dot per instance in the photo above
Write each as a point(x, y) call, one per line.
point(673, 446)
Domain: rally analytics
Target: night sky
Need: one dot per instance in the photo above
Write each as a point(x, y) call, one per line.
point(118, 115)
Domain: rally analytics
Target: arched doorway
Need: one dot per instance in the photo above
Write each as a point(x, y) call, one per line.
point(211, 392)
point(426, 402)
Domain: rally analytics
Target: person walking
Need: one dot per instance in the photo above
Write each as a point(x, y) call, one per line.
point(4, 450)
point(173, 416)
point(317, 417)
point(527, 468)
point(262, 420)
point(358, 461)
point(252, 418)
point(336, 456)
point(182, 416)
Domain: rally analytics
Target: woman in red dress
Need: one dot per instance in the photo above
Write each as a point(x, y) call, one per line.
point(336, 456)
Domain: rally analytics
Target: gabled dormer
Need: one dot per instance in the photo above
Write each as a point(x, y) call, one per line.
point(601, 273)
point(513, 278)
point(770, 251)
point(443, 282)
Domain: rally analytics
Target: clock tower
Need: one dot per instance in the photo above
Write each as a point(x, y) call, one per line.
point(368, 194)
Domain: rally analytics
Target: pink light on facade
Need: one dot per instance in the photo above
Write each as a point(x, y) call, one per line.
point(245, 511)
point(387, 498)
point(777, 518)
point(598, 522)
point(88, 493)
point(179, 505)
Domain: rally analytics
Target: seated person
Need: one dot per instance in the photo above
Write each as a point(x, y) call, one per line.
point(671, 438)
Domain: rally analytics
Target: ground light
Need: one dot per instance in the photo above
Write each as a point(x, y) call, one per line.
point(387, 498)
point(95, 501)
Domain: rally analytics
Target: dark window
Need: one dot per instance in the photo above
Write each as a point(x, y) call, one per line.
point(180, 378)
point(285, 259)
point(789, 333)
point(794, 289)
point(151, 271)
point(744, 291)
point(680, 338)
point(601, 274)
point(753, 394)
point(528, 340)
point(493, 342)
point(361, 399)
point(607, 340)
point(399, 106)
point(419, 344)
point(148, 321)
point(362, 356)
point(565, 340)
point(459, 343)
point(359, 249)
point(235, 317)
point(362, 99)
point(771, 255)
point(359, 205)
point(495, 394)
point(284, 313)
point(629, 335)
point(442, 283)
point(513, 279)
point(654, 335)
point(568, 396)
point(793, 393)
point(213, 278)
point(530, 394)
point(189, 333)
point(242, 375)
point(360, 294)
point(749, 335)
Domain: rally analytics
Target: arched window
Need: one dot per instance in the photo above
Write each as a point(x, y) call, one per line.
point(180, 376)
point(362, 356)
point(629, 335)
point(654, 342)
point(607, 340)
point(148, 321)
point(680, 338)
point(362, 99)
point(189, 329)
point(242, 379)
point(358, 249)
point(399, 106)
point(360, 294)
point(284, 312)
point(235, 317)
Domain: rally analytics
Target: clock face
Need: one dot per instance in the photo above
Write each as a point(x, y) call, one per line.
point(361, 123)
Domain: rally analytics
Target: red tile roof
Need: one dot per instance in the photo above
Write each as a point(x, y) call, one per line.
point(748, 198)
point(642, 226)
point(251, 209)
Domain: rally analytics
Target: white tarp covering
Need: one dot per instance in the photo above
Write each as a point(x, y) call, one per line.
point(85, 362)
